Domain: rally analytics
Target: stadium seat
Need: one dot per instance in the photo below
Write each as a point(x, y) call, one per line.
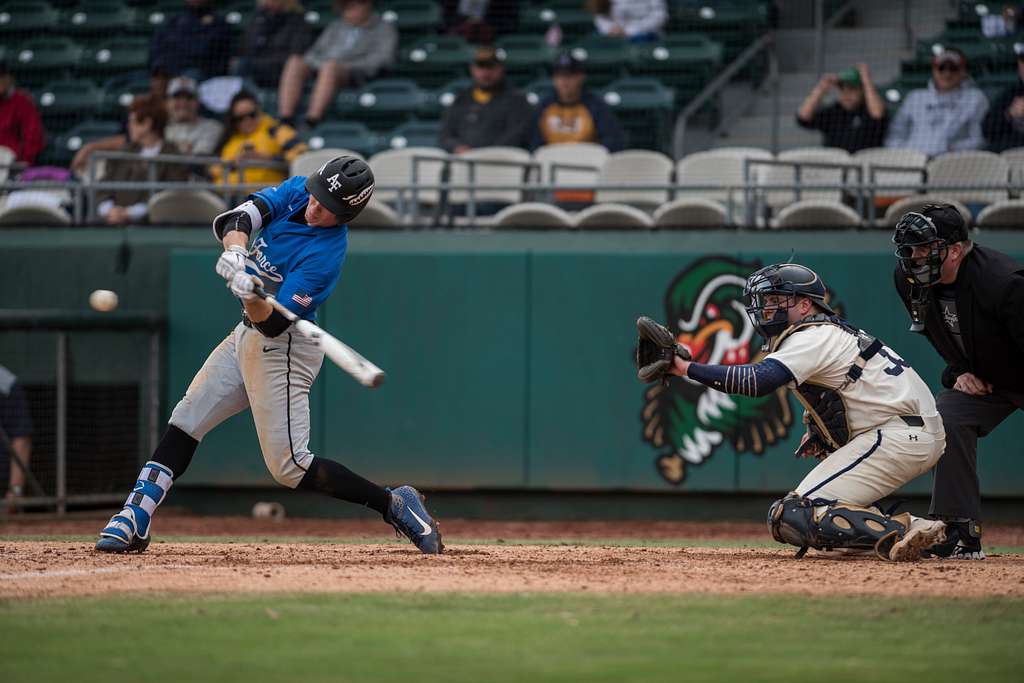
point(718, 168)
point(150, 19)
point(377, 214)
point(1014, 158)
point(63, 102)
point(552, 158)
point(118, 92)
point(538, 90)
point(64, 146)
point(237, 14)
point(26, 18)
point(527, 56)
point(344, 134)
point(99, 17)
point(114, 56)
point(533, 216)
point(394, 168)
point(604, 57)
point(318, 13)
point(644, 108)
point(38, 60)
point(511, 168)
point(184, 207)
point(381, 104)
point(611, 216)
point(690, 212)
point(735, 25)
point(568, 15)
point(877, 157)
point(947, 171)
point(786, 175)
point(32, 208)
point(414, 133)
point(1005, 214)
point(817, 213)
point(436, 101)
point(635, 167)
point(412, 17)
point(7, 157)
point(919, 201)
point(684, 62)
point(433, 60)
point(310, 162)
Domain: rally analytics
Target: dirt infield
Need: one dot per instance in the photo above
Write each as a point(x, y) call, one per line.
point(34, 569)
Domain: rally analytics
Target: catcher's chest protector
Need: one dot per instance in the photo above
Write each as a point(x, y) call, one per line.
point(825, 407)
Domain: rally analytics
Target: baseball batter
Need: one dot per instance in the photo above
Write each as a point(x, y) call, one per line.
point(291, 240)
point(871, 419)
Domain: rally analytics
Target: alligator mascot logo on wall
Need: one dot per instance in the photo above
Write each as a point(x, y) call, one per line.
point(686, 421)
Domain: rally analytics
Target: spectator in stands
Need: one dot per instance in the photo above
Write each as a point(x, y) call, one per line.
point(21, 130)
point(574, 114)
point(490, 113)
point(252, 136)
point(190, 132)
point(276, 32)
point(147, 119)
point(1004, 124)
point(196, 43)
point(350, 52)
point(16, 427)
point(857, 118)
point(480, 21)
point(944, 117)
point(1006, 23)
point(637, 21)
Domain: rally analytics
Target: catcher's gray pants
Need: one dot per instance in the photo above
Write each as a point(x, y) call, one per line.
point(955, 491)
point(270, 376)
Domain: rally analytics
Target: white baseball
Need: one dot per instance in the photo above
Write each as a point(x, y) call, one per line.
point(103, 300)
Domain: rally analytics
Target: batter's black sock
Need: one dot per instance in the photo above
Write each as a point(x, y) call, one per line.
point(175, 450)
point(337, 481)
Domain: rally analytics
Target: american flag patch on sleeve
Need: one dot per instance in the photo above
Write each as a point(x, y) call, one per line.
point(302, 299)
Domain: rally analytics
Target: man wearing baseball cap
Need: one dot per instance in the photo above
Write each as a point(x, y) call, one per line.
point(944, 117)
point(572, 113)
point(1004, 124)
point(488, 114)
point(192, 133)
point(856, 120)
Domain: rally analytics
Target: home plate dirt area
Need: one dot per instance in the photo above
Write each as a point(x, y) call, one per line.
point(244, 555)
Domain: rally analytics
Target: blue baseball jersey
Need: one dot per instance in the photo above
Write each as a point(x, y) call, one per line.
point(299, 264)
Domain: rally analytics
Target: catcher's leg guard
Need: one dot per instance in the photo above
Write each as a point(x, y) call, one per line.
point(129, 529)
point(827, 525)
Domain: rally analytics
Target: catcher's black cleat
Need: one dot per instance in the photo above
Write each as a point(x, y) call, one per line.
point(962, 542)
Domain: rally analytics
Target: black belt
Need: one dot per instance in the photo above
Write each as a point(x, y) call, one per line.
point(913, 420)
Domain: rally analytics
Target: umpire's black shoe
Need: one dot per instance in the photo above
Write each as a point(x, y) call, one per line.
point(963, 542)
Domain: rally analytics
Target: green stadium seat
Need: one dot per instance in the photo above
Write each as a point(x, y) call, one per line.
point(686, 62)
point(119, 91)
point(414, 133)
point(238, 13)
point(605, 58)
point(319, 13)
point(526, 56)
point(114, 56)
point(101, 17)
point(411, 17)
point(346, 135)
point(24, 19)
point(61, 103)
point(979, 50)
point(38, 60)
point(382, 104)
point(569, 15)
point(64, 147)
point(644, 108)
point(436, 101)
point(735, 24)
point(150, 19)
point(538, 90)
point(433, 60)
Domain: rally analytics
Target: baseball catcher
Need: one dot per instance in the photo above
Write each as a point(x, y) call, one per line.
point(871, 420)
point(299, 232)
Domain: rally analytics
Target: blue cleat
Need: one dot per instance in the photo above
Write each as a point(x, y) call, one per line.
point(412, 520)
point(121, 535)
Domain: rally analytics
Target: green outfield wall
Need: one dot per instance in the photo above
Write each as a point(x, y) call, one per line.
point(509, 355)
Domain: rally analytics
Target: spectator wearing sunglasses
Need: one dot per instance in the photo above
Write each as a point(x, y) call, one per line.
point(944, 117)
point(253, 136)
point(1004, 123)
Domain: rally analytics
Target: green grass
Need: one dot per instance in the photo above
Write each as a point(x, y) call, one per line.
point(524, 637)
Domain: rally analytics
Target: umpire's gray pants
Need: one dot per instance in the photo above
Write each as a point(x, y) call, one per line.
point(955, 491)
point(270, 376)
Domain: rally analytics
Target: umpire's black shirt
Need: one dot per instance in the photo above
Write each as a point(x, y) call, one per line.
point(990, 315)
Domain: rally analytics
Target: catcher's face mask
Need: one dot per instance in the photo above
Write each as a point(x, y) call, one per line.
point(768, 306)
point(919, 249)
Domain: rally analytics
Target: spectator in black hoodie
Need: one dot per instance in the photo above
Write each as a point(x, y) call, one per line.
point(276, 32)
point(1004, 123)
point(196, 43)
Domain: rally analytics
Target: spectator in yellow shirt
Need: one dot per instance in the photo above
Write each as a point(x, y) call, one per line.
point(250, 135)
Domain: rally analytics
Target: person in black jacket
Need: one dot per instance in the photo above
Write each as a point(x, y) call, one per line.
point(968, 300)
point(491, 113)
point(196, 43)
point(1004, 123)
point(276, 32)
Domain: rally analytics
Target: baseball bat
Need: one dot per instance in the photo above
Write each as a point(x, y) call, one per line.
point(342, 355)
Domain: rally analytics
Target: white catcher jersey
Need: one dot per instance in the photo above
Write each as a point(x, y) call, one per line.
point(889, 387)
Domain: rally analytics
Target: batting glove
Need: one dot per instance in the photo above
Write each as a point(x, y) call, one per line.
point(231, 261)
point(244, 285)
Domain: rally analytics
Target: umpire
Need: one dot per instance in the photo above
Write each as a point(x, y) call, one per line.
point(968, 300)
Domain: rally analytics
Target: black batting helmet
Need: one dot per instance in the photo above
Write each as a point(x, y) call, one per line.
point(935, 226)
point(786, 279)
point(343, 185)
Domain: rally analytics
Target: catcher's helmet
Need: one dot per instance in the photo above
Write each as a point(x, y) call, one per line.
point(936, 226)
point(343, 185)
point(789, 280)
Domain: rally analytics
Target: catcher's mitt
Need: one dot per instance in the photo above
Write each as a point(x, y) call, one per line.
point(655, 349)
